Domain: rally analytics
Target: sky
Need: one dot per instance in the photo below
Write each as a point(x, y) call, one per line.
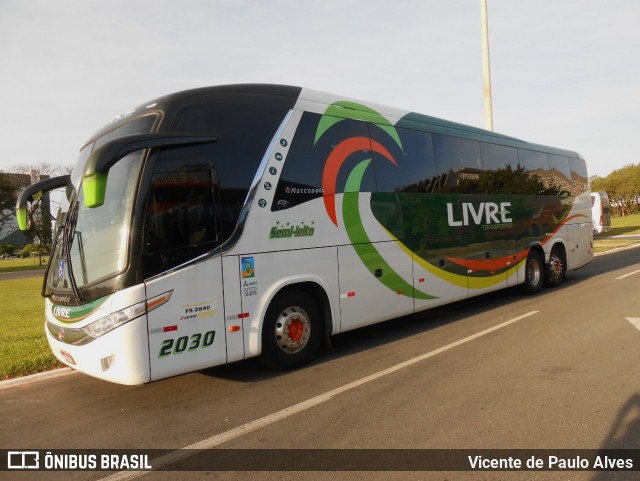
point(564, 73)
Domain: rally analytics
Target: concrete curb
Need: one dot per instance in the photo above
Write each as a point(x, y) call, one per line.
point(40, 376)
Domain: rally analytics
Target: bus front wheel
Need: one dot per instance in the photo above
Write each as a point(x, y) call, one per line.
point(292, 330)
point(534, 273)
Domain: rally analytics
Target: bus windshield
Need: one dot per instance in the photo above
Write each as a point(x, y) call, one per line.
point(93, 243)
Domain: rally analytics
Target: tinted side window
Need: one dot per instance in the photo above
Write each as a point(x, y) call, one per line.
point(537, 164)
point(496, 157)
point(181, 218)
point(579, 175)
point(560, 172)
point(503, 174)
point(302, 174)
point(245, 130)
point(456, 159)
point(533, 161)
point(415, 167)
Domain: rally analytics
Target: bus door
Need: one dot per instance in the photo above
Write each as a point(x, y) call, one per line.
point(187, 332)
point(182, 224)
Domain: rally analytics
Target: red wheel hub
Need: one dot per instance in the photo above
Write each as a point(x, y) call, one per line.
point(296, 330)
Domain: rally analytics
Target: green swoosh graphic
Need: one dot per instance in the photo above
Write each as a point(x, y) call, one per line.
point(363, 246)
point(340, 110)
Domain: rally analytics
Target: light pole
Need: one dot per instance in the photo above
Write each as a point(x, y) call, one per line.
point(486, 69)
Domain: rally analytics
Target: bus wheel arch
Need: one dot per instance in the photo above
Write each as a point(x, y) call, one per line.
point(556, 268)
point(294, 325)
point(534, 271)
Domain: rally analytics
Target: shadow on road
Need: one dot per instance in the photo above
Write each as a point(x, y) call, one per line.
point(374, 336)
point(624, 434)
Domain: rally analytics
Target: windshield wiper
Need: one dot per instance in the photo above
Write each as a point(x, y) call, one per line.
point(83, 262)
point(67, 240)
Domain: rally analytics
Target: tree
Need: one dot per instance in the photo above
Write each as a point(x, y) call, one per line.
point(7, 196)
point(44, 168)
point(623, 187)
point(42, 214)
point(9, 189)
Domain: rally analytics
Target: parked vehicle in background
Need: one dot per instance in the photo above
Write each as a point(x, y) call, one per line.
point(600, 212)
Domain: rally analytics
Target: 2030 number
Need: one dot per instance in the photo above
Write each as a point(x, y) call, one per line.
point(187, 343)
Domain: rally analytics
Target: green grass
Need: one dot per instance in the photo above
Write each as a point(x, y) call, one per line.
point(24, 348)
point(603, 245)
point(12, 265)
point(627, 225)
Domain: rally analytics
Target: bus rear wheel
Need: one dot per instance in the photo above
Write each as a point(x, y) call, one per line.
point(534, 273)
point(292, 330)
point(557, 267)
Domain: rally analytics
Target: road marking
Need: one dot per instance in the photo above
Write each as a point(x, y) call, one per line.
point(251, 426)
point(627, 275)
point(635, 321)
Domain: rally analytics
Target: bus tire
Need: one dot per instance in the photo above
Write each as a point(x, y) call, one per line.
point(291, 331)
point(533, 273)
point(556, 268)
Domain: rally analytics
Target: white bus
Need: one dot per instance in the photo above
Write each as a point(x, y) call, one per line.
point(600, 212)
point(217, 224)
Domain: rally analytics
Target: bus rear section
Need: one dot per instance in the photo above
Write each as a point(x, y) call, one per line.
point(600, 212)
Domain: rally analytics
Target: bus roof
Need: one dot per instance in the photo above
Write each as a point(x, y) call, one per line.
point(313, 100)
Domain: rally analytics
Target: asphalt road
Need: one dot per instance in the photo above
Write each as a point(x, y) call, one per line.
point(20, 274)
point(554, 371)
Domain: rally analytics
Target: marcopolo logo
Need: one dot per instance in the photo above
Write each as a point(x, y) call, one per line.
point(489, 215)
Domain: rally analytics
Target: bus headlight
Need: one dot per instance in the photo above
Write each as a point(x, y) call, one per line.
point(79, 336)
point(115, 319)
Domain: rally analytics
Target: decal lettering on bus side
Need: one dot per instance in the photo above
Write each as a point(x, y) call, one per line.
point(493, 215)
point(288, 231)
point(76, 313)
point(250, 288)
point(63, 312)
point(187, 343)
point(248, 266)
point(197, 310)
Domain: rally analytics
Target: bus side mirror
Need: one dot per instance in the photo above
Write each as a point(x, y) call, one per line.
point(94, 189)
point(33, 193)
point(21, 216)
point(96, 170)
